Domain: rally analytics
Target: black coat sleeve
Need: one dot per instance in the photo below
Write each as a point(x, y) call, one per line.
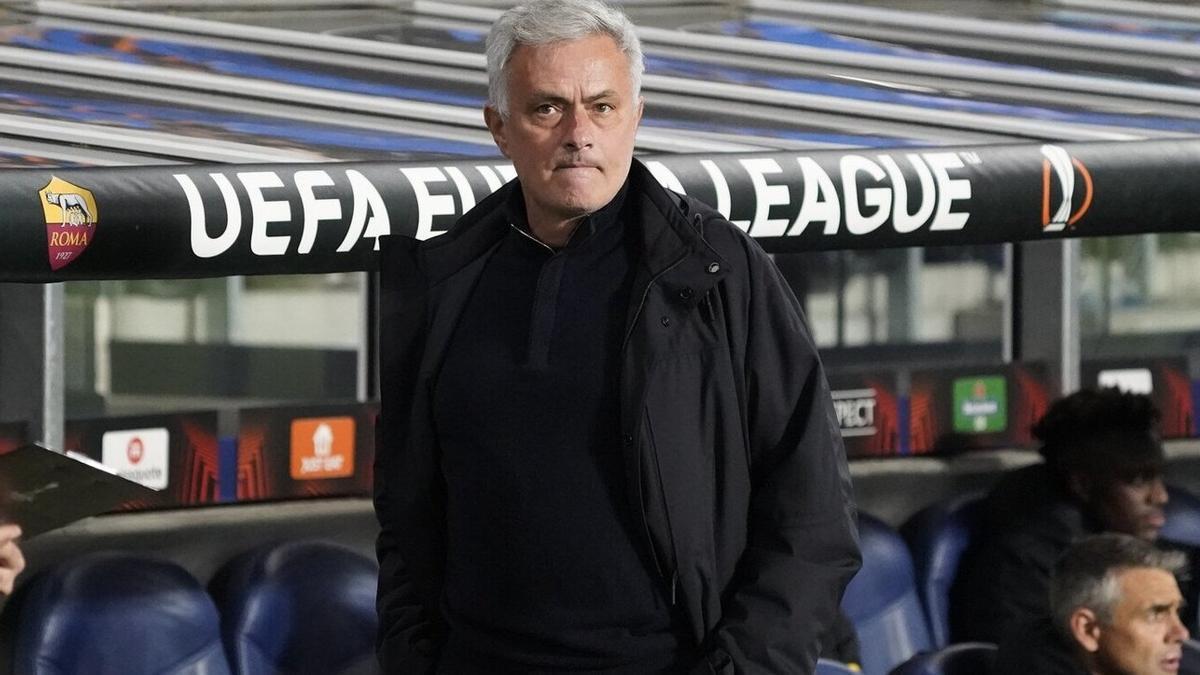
point(802, 546)
point(410, 628)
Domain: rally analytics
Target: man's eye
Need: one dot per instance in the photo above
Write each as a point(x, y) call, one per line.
point(604, 107)
point(545, 109)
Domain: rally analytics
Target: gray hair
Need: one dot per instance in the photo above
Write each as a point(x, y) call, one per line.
point(1086, 576)
point(546, 21)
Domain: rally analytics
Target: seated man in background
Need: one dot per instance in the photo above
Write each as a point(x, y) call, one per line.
point(11, 560)
point(1102, 473)
point(1114, 610)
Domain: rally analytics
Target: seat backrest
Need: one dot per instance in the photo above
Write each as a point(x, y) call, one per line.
point(938, 535)
point(1183, 518)
point(881, 601)
point(118, 613)
point(965, 658)
point(298, 607)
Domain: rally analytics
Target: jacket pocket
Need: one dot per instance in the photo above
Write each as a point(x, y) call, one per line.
point(657, 513)
point(687, 419)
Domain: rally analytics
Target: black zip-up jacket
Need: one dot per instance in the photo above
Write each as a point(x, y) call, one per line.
point(734, 460)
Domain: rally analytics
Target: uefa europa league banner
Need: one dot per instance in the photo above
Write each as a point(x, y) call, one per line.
point(219, 220)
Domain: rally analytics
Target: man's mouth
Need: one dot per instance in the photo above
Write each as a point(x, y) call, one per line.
point(1156, 519)
point(1170, 664)
point(575, 165)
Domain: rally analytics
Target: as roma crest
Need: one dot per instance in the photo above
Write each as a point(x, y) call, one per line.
point(71, 218)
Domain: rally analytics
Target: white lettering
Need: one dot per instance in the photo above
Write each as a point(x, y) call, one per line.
point(766, 196)
point(855, 413)
point(878, 197)
point(366, 200)
point(903, 221)
point(663, 175)
point(493, 181)
point(948, 190)
point(722, 188)
point(203, 245)
point(980, 408)
point(465, 196)
point(506, 171)
point(820, 202)
point(315, 210)
point(428, 205)
point(321, 464)
point(264, 212)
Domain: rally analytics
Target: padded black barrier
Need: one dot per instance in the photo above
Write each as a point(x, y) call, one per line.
point(218, 220)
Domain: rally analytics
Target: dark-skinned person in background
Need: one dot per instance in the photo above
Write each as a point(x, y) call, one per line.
point(1103, 472)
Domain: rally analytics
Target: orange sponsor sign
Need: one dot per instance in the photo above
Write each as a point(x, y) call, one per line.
point(322, 447)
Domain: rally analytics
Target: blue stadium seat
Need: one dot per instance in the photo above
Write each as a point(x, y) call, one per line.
point(965, 658)
point(298, 607)
point(937, 536)
point(1183, 518)
point(827, 667)
point(118, 614)
point(881, 601)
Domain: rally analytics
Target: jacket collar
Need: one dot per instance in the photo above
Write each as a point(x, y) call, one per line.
point(669, 234)
point(673, 246)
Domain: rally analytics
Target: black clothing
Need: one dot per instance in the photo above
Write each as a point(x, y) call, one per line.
point(526, 413)
point(839, 642)
point(731, 455)
point(1037, 649)
point(1027, 523)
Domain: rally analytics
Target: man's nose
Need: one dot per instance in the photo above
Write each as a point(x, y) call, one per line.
point(1177, 632)
point(1158, 492)
point(578, 129)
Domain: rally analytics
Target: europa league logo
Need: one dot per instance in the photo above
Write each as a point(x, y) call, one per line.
point(1059, 169)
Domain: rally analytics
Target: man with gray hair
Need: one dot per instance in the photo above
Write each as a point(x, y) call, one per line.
point(606, 443)
point(1115, 605)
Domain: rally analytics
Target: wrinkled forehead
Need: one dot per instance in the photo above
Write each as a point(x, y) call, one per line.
point(592, 56)
point(1145, 588)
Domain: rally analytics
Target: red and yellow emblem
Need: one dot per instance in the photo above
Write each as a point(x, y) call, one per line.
point(71, 218)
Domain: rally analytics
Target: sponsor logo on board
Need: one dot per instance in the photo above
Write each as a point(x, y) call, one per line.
point(322, 447)
point(980, 404)
point(140, 455)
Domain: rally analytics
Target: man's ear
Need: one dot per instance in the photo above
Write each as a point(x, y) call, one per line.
point(1086, 629)
point(640, 108)
point(495, 124)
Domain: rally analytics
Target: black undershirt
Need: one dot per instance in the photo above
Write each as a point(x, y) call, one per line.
point(545, 570)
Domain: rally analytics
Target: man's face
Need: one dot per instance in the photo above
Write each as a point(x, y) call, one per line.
point(1145, 635)
point(1133, 507)
point(572, 118)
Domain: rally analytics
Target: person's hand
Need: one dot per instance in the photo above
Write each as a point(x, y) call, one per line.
point(11, 560)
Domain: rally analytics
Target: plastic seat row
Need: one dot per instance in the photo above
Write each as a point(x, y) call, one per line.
point(884, 604)
point(899, 602)
point(295, 607)
point(939, 535)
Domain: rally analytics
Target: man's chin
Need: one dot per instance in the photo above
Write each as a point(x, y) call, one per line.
point(1149, 534)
